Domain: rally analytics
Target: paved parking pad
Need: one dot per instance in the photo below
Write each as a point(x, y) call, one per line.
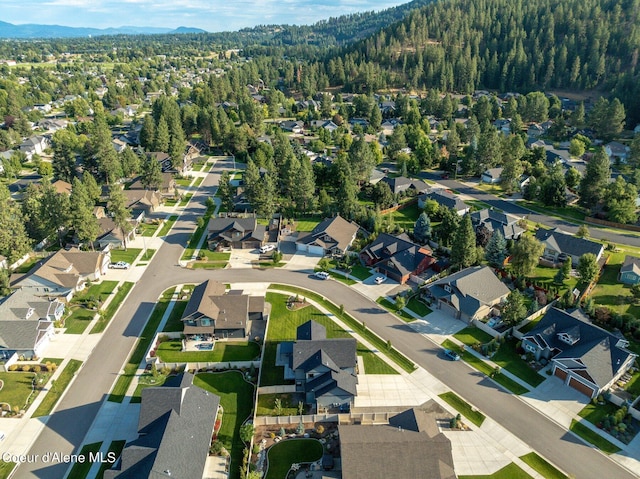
point(557, 400)
point(437, 326)
point(388, 390)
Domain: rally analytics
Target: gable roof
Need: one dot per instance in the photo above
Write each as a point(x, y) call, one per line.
point(62, 187)
point(395, 253)
point(248, 228)
point(494, 220)
point(493, 172)
point(631, 265)
point(339, 231)
point(419, 450)
point(335, 353)
point(175, 425)
point(566, 243)
point(311, 330)
point(470, 288)
point(446, 198)
point(596, 352)
point(402, 183)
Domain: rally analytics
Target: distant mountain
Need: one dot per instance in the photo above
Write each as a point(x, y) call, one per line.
point(9, 30)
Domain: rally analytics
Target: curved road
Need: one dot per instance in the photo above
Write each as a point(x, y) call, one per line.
point(617, 236)
point(74, 415)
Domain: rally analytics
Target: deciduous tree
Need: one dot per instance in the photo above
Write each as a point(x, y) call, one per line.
point(525, 255)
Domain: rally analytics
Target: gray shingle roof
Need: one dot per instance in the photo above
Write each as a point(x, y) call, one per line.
point(341, 351)
point(566, 243)
point(248, 228)
point(331, 233)
point(175, 426)
point(631, 264)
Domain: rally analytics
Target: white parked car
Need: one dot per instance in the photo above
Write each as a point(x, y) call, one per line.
point(120, 265)
point(321, 275)
point(380, 279)
point(266, 248)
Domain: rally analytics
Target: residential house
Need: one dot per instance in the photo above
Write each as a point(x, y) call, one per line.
point(62, 187)
point(34, 145)
point(51, 126)
point(119, 145)
point(4, 263)
point(162, 158)
point(212, 313)
point(242, 233)
point(26, 322)
point(616, 151)
point(535, 130)
point(397, 257)
point(292, 126)
point(492, 176)
point(445, 199)
point(418, 447)
point(325, 124)
point(557, 243)
point(468, 294)
point(503, 125)
point(495, 220)
point(146, 201)
point(175, 428)
point(324, 369)
point(110, 235)
point(65, 272)
point(332, 236)
point(402, 184)
point(630, 271)
point(586, 357)
point(167, 187)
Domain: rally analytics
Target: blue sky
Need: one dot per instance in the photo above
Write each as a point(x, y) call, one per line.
point(210, 15)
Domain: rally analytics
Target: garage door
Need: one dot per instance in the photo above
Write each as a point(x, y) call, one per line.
point(583, 388)
point(561, 374)
point(448, 309)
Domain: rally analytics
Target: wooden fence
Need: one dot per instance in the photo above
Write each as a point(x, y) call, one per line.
point(622, 226)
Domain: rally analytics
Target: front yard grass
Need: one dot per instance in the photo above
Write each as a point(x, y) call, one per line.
point(418, 307)
point(147, 380)
point(373, 363)
point(129, 255)
point(282, 455)
point(16, 389)
point(124, 380)
point(361, 272)
point(148, 229)
point(507, 358)
point(593, 437)
point(342, 278)
point(544, 276)
point(81, 469)
point(405, 217)
point(110, 310)
point(174, 323)
point(472, 335)
point(572, 212)
point(185, 199)
point(389, 306)
point(463, 407)
point(609, 292)
point(541, 466)
point(596, 413)
point(170, 352)
point(236, 398)
point(510, 471)
point(305, 225)
point(115, 447)
point(55, 392)
point(377, 342)
point(166, 227)
point(27, 265)
point(197, 235)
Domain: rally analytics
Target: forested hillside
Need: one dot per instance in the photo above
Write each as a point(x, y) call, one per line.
point(462, 45)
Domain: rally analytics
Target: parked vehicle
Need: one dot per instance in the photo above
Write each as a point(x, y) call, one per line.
point(266, 248)
point(321, 275)
point(380, 279)
point(120, 265)
point(451, 355)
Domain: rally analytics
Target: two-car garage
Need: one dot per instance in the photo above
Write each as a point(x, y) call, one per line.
point(574, 383)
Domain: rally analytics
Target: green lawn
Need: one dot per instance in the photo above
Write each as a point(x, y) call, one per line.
point(17, 387)
point(486, 368)
point(404, 218)
point(147, 380)
point(395, 355)
point(207, 265)
point(236, 398)
point(215, 255)
point(266, 405)
point(342, 278)
point(511, 471)
point(170, 352)
point(78, 321)
point(185, 200)
point(507, 358)
point(111, 309)
point(148, 229)
point(593, 437)
point(304, 225)
point(147, 255)
point(633, 386)
point(360, 272)
point(27, 265)
point(174, 322)
point(170, 202)
point(166, 227)
point(463, 407)
point(477, 205)
point(81, 469)
point(389, 306)
point(418, 307)
point(571, 212)
point(609, 292)
point(280, 456)
point(595, 413)
point(55, 392)
point(6, 468)
point(373, 363)
point(472, 335)
point(80, 316)
point(542, 467)
point(129, 255)
point(184, 182)
point(544, 276)
point(115, 447)
point(197, 234)
point(99, 291)
point(124, 380)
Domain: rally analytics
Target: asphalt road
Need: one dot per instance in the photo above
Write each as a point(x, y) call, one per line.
point(551, 222)
point(69, 424)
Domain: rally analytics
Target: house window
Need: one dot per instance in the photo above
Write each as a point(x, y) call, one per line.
point(447, 288)
point(530, 348)
point(205, 322)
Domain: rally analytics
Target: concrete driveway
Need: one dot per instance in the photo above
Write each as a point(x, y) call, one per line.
point(303, 262)
point(557, 400)
point(242, 258)
point(437, 326)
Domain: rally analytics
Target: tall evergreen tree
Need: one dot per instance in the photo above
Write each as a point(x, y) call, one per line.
point(83, 221)
point(151, 174)
point(595, 179)
point(463, 249)
point(148, 133)
point(14, 242)
point(91, 185)
point(162, 138)
point(422, 229)
point(304, 191)
point(496, 250)
point(225, 191)
point(118, 209)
